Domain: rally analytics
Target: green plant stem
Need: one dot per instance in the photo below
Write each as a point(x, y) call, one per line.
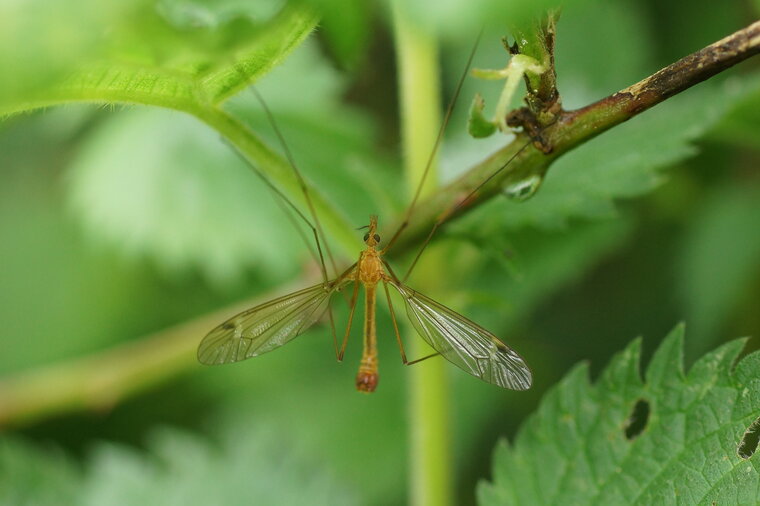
point(265, 160)
point(429, 417)
point(101, 380)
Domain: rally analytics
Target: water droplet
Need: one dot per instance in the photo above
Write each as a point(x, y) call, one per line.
point(524, 189)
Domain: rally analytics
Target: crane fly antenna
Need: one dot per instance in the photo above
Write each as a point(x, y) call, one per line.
point(285, 200)
point(316, 227)
point(437, 143)
point(289, 213)
point(454, 208)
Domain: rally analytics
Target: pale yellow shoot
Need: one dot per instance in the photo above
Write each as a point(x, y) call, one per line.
point(518, 66)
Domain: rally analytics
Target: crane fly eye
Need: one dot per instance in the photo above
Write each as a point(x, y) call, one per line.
point(366, 237)
point(376, 238)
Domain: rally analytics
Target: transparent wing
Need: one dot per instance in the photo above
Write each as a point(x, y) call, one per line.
point(267, 326)
point(464, 343)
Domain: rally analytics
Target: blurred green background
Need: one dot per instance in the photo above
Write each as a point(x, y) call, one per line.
point(119, 222)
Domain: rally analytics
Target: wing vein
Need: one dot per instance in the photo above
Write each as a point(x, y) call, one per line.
point(267, 326)
point(464, 343)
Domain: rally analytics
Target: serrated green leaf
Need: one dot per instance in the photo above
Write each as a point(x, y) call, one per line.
point(32, 476)
point(255, 57)
point(160, 55)
point(151, 54)
point(182, 198)
point(666, 367)
point(251, 467)
point(575, 450)
point(135, 198)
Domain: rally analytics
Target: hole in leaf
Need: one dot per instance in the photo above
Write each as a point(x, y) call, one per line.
point(748, 444)
point(638, 419)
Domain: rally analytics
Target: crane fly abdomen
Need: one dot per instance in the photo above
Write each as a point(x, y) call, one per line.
point(366, 381)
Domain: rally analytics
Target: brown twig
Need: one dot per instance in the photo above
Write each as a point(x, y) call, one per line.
point(582, 124)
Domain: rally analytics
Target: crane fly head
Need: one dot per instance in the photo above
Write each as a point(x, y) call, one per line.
point(371, 237)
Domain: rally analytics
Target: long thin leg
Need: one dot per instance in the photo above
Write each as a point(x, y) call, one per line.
point(334, 282)
point(445, 215)
point(423, 358)
point(332, 327)
point(390, 271)
point(288, 202)
point(398, 335)
point(296, 226)
point(395, 324)
point(317, 226)
point(436, 145)
point(350, 320)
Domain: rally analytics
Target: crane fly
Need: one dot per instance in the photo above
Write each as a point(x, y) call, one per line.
point(459, 340)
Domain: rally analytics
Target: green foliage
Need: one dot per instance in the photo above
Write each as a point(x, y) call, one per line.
point(137, 200)
point(172, 56)
point(477, 124)
point(249, 467)
point(178, 56)
point(346, 27)
point(339, 157)
point(36, 476)
point(719, 260)
point(585, 74)
point(526, 268)
point(575, 449)
point(551, 237)
point(623, 163)
point(551, 275)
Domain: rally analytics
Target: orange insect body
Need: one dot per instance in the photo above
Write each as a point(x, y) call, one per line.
point(459, 340)
point(369, 271)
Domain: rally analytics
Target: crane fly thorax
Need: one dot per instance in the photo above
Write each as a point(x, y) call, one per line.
point(370, 267)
